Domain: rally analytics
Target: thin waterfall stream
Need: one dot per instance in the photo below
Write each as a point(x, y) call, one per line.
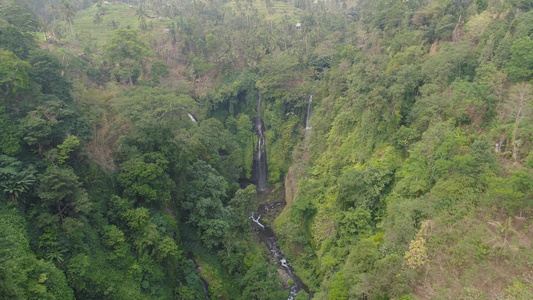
point(205, 287)
point(259, 167)
point(192, 117)
point(308, 117)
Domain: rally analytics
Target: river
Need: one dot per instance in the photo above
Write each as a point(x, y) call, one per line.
point(267, 236)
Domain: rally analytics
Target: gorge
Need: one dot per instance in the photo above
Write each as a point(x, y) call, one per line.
point(266, 150)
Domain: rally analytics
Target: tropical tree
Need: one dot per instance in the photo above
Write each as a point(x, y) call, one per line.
point(114, 24)
point(19, 17)
point(13, 74)
point(203, 203)
point(520, 68)
point(127, 51)
point(15, 178)
point(59, 187)
point(68, 11)
point(518, 107)
point(141, 16)
point(146, 181)
point(17, 41)
point(97, 20)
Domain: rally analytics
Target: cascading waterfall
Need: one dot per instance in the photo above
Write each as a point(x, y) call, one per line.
point(259, 167)
point(259, 176)
point(308, 117)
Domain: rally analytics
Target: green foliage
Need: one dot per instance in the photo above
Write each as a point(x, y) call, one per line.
point(41, 126)
point(415, 125)
point(47, 71)
point(13, 74)
point(518, 290)
point(243, 203)
point(221, 148)
point(276, 70)
point(146, 181)
point(18, 42)
point(354, 224)
point(198, 65)
point(520, 68)
point(261, 281)
point(244, 136)
point(302, 295)
point(112, 236)
point(126, 50)
point(23, 275)
point(9, 140)
point(137, 219)
point(339, 288)
point(59, 188)
point(203, 203)
point(303, 208)
point(61, 154)
point(158, 116)
point(512, 194)
point(158, 71)
point(15, 178)
point(363, 189)
point(19, 17)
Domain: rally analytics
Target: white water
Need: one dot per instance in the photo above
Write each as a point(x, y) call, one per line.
point(191, 117)
point(308, 117)
point(204, 285)
point(270, 240)
point(260, 168)
point(256, 220)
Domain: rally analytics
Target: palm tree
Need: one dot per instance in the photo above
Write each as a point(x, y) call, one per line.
point(97, 19)
point(114, 24)
point(56, 256)
point(69, 13)
point(17, 186)
point(506, 229)
point(140, 13)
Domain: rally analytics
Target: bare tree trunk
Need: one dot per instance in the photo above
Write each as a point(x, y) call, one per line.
point(515, 133)
point(519, 106)
point(59, 210)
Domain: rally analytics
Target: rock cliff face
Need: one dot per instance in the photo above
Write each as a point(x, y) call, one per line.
point(291, 187)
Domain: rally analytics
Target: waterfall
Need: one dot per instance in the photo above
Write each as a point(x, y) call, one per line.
point(308, 117)
point(259, 167)
point(204, 285)
point(191, 117)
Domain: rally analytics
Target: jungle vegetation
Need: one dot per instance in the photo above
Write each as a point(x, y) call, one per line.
point(127, 144)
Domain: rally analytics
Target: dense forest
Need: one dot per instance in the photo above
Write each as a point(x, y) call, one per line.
point(143, 144)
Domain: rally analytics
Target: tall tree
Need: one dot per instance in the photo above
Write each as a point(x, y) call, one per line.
point(140, 13)
point(97, 20)
point(69, 13)
point(520, 68)
point(127, 50)
point(518, 107)
point(13, 74)
point(60, 187)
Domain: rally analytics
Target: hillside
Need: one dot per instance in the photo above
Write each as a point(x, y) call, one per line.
point(190, 149)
